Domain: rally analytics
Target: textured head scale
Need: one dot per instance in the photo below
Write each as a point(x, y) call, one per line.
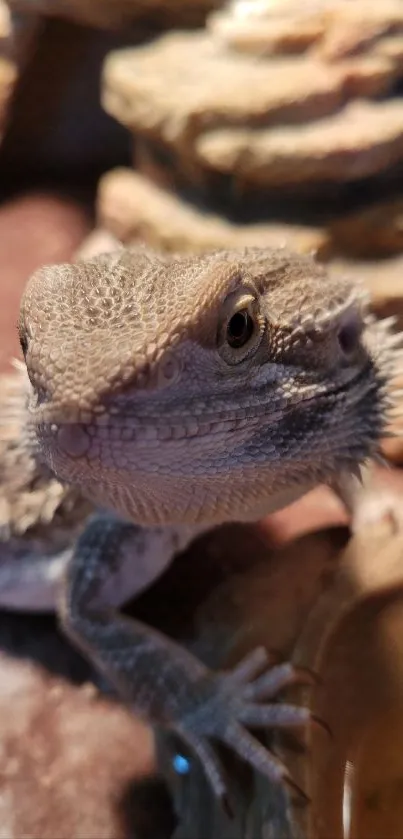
point(108, 321)
point(199, 388)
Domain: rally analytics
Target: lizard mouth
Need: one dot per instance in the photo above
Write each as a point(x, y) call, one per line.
point(366, 380)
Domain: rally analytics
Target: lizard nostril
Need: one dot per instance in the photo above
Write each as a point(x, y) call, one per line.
point(349, 334)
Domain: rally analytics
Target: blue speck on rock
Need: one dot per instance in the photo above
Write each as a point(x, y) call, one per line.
point(181, 764)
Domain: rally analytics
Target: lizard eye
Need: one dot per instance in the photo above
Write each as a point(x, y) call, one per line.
point(239, 329)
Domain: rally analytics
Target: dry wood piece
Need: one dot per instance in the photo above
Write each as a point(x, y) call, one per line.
point(117, 13)
point(131, 207)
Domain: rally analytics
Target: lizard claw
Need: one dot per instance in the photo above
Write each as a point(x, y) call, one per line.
point(224, 706)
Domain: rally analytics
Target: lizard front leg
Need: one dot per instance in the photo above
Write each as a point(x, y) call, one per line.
point(160, 679)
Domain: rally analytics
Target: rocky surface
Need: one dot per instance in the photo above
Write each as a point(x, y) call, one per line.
point(282, 108)
point(224, 88)
point(233, 114)
point(58, 741)
point(384, 280)
point(269, 28)
point(131, 207)
point(335, 28)
point(363, 140)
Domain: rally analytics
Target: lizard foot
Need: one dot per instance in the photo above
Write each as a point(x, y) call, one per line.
point(226, 705)
point(160, 679)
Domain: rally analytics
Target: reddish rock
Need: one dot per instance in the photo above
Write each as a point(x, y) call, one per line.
point(67, 755)
point(34, 230)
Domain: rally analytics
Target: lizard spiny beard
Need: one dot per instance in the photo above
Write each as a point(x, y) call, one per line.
point(386, 350)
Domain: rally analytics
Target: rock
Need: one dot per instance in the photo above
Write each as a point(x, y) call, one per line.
point(247, 147)
point(131, 208)
point(233, 115)
point(35, 230)
point(392, 48)
point(364, 139)
point(145, 89)
point(268, 28)
point(334, 28)
point(374, 231)
point(393, 448)
point(384, 280)
point(97, 242)
point(120, 13)
point(70, 757)
point(359, 27)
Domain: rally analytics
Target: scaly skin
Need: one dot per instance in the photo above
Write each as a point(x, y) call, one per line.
point(178, 394)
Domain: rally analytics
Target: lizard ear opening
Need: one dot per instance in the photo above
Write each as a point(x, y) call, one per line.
point(240, 329)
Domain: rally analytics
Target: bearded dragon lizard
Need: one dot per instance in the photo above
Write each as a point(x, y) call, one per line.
point(176, 394)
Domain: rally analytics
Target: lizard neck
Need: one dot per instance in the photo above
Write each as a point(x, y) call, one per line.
point(206, 503)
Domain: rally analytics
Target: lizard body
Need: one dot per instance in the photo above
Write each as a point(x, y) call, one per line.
point(177, 394)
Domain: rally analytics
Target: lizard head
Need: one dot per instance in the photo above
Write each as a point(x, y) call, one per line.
point(205, 388)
